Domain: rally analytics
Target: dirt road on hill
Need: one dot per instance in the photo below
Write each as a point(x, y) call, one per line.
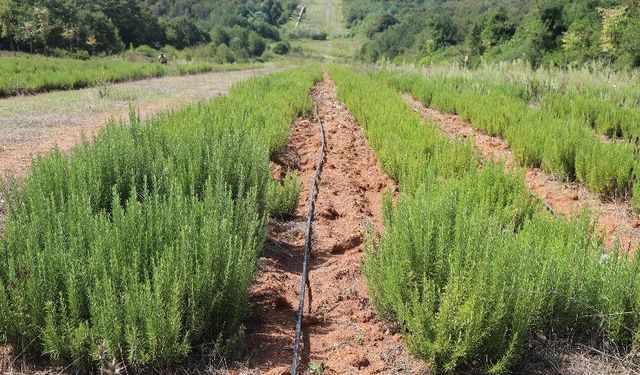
point(616, 218)
point(342, 334)
point(31, 125)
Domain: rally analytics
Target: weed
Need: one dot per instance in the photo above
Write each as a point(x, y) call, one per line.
point(316, 368)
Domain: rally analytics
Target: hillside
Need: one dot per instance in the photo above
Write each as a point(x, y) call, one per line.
point(81, 27)
point(542, 32)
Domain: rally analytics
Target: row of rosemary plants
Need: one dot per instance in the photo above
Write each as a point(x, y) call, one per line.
point(561, 134)
point(470, 265)
point(144, 241)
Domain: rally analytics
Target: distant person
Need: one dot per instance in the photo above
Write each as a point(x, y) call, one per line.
point(162, 59)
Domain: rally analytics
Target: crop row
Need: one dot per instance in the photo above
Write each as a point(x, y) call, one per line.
point(561, 144)
point(30, 74)
point(469, 265)
point(145, 240)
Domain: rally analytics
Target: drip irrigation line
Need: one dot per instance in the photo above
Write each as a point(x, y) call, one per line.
point(304, 277)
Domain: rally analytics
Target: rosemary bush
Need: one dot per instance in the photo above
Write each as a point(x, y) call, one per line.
point(146, 239)
point(561, 136)
point(469, 265)
point(32, 73)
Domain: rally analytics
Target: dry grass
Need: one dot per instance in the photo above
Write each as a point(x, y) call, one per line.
point(563, 357)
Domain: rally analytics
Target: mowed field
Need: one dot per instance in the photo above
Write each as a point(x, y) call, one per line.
point(466, 221)
point(325, 15)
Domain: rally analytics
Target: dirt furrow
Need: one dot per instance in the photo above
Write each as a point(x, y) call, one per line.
point(616, 219)
point(341, 334)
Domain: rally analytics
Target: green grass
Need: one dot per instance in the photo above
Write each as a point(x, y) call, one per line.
point(327, 16)
point(469, 265)
point(147, 238)
point(32, 73)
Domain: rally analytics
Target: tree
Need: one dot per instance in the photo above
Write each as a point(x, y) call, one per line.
point(545, 32)
point(443, 31)
point(474, 43)
point(498, 29)
point(41, 15)
point(181, 32)
point(256, 44)
point(224, 54)
point(92, 42)
point(70, 34)
point(8, 22)
point(381, 24)
point(97, 24)
point(219, 36)
point(613, 22)
point(551, 17)
point(29, 32)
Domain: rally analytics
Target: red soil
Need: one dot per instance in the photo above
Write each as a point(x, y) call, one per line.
point(615, 219)
point(341, 333)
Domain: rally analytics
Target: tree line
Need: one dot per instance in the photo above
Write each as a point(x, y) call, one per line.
point(110, 26)
point(543, 32)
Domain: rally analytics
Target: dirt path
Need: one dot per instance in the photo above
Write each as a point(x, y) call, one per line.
point(341, 335)
point(32, 125)
point(616, 219)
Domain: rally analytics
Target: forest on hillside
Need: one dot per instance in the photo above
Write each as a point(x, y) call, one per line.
point(231, 30)
point(543, 32)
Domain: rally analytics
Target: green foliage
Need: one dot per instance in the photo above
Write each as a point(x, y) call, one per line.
point(181, 32)
point(307, 33)
point(469, 265)
point(635, 199)
point(545, 33)
point(282, 198)
point(606, 169)
point(224, 55)
point(497, 29)
point(30, 74)
point(383, 22)
point(146, 239)
point(236, 43)
point(443, 31)
point(281, 48)
point(558, 137)
point(112, 25)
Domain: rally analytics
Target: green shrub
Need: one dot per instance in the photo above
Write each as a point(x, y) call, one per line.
point(281, 48)
point(469, 264)
point(307, 33)
point(557, 137)
point(146, 239)
point(635, 200)
point(606, 169)
point(30, 73)
point(282, 198)
point(147, 51)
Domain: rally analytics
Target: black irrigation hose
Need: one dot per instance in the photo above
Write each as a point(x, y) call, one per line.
point(304, 278)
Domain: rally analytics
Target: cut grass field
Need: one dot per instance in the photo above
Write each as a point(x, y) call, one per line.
point(326, 15)
point(28, 74)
